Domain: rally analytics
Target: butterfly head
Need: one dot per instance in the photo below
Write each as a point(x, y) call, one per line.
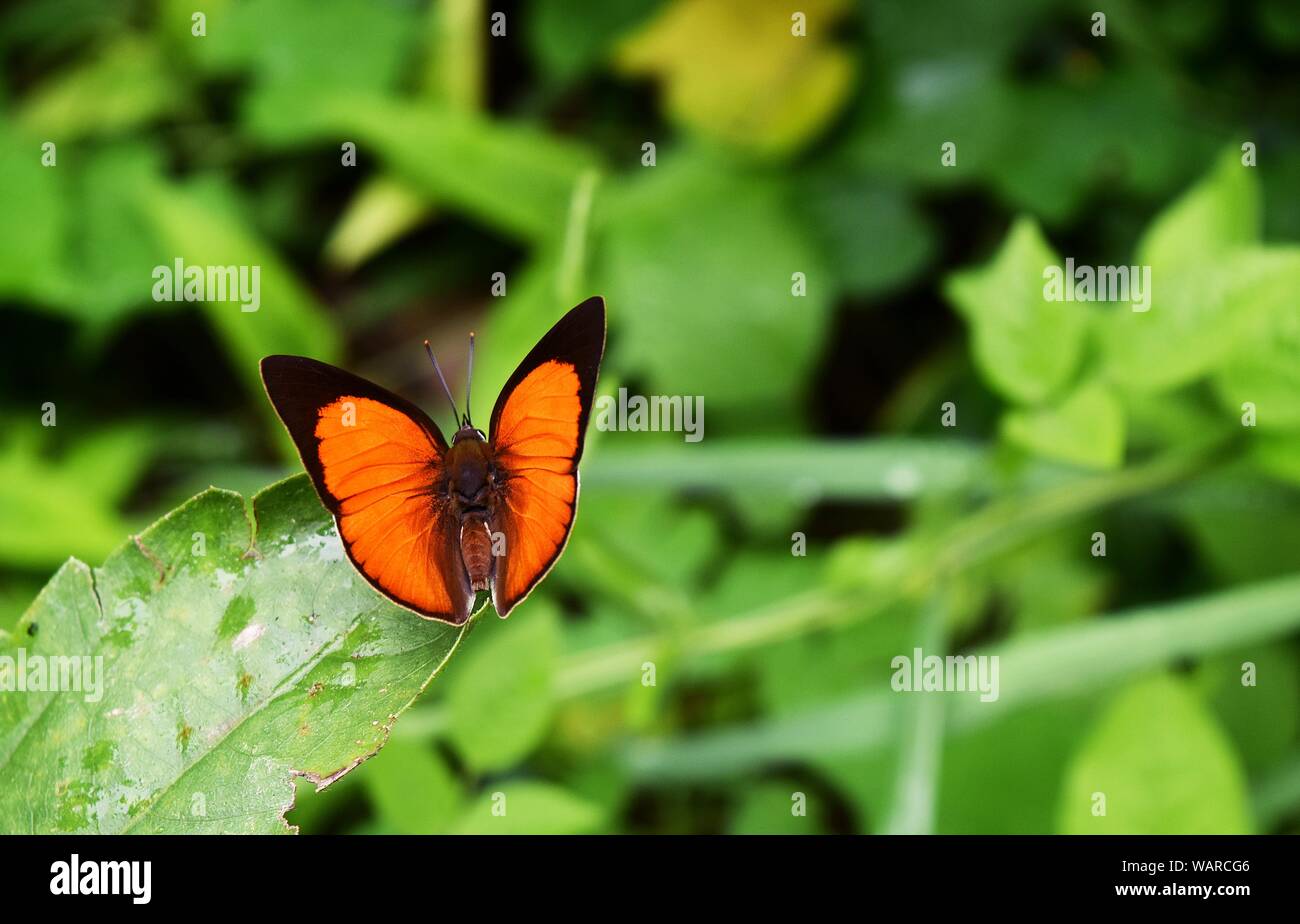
point(468, 432)
point(467, 428)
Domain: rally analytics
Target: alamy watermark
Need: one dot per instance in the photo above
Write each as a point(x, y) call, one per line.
point(922, 673)
point(674, 413)
point(181, 283)
point(76, 876)
point(53, 674)
point(1082, 283)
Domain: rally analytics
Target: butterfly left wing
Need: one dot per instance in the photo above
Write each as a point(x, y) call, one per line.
point(376, 461)
point(537, 434)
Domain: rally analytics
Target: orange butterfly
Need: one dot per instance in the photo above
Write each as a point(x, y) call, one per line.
point(427, 524)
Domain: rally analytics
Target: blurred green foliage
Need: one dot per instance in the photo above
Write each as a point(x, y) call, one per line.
point(775, 155)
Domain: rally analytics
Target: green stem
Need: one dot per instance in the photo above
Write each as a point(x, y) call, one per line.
point(916, 779)
point(989, 532)
point(1066, 663)
point(457, 59)
point(1008, 523)
point(986, 534)
point(573, 253)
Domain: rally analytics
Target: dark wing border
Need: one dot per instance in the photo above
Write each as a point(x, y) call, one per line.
point(577, 338)
point(298, 387)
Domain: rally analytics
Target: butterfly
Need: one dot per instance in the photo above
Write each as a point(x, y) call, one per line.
point(429, 524)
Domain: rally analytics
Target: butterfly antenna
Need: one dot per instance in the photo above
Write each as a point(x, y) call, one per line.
point(445, 390)
point(469, 379)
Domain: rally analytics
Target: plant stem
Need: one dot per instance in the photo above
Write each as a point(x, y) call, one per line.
point(985, 534)
point(916, 779)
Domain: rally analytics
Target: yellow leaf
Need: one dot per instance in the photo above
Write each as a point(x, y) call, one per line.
point(741, 73)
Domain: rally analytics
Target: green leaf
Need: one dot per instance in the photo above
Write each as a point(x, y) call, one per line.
point(527, 807)
point(796, 674)
point(379, 38)
point(199, 227)
point(1209, 285)
point(1232, 313)
point(113, 241)
point(647, 530)
point(1278, 455)
point(382, 210)
point(412, 788)
point(695, 253)
point(1086, 428)
point(840, 203)
point(1263, 369)
point(31, 236)
point(1163, 765)
point(566, 52)
point(1119, 131)
point(1218, 214)
point(501, 700)
point(1026, 347)
point(1256, 708)
point(126, 84)
point(1246, 528)
point(224, 674)
point(107, 463)
point(1015, 793)
point(1047, 583)
point(509, 175)
point(769, 808)
point(929, 102)
point(50, 509)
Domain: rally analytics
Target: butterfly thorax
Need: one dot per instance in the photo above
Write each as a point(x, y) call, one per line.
point(471, 493)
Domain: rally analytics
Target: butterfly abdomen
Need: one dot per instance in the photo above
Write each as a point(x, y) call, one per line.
point(476, 549)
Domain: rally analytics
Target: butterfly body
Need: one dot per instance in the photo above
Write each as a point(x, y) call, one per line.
point(473, 496)
point(430, 524)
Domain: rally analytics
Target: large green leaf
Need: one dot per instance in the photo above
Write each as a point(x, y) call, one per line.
point(530, 807)
point(124, 85)
point(1263, 368)
point(565, 52)
point(696, 259)
point(235, 656)
point(378, 35)
point(1253, 692)
point(52, 508)
point(1025, 346)
point(200, 226)
point(412, 788)
point(31, 236)
point(507, 174)
point(1208, 284)
point(501, 702)
point(1163, 765)
point(840, 202)
point(1086, 428)
point(1219, 213)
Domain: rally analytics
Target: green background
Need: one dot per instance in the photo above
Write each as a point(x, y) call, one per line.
point(775, 154)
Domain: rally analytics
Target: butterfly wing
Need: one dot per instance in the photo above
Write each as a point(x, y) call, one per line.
point(377, 463)
point(537, 433)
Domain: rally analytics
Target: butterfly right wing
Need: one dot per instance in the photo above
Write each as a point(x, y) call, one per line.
point(537, 432)
point(376, 461)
